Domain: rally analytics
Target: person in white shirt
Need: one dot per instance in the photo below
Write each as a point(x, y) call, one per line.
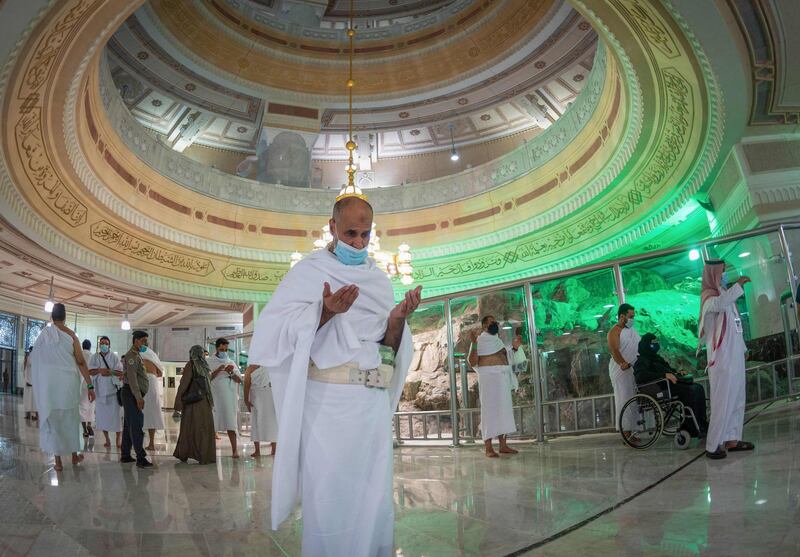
point(225, 380)
point(154, 399)
point(258, 397)
point(86, 406)
point(28, 400)
point(721, 329)
point(106, 370)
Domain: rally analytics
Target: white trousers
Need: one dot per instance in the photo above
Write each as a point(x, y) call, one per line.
point(728, 399)
point(624, 385)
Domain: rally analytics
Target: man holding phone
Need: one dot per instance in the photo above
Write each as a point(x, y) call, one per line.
point(225, 379)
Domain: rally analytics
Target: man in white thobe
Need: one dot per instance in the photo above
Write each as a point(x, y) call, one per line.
point(86, 406)
point(28, 400)
point(623, 344)
point(258, 397)
point(319, 339)
point(154, 399)
point(493, 360)
point(225, 379)
point(106, 370)
point(721, 329)
point(57, 368)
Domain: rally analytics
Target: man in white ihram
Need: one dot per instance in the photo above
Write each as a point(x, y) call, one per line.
point(319, 338)
point(623, 344)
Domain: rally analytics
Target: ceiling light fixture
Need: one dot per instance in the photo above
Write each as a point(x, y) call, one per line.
point(126, 325)
point(48, 305)
point(393, 264)
point(453, 153)
point(694, 255)
point(744, 254)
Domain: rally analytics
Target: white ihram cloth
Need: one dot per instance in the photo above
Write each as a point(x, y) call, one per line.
point(57, 385)
point(263, 420)
point(226, 395)
point(28, 398)
point(622, 380)
point(334, 440)
point(494, 387)
point(86, 407)
point(722, 332)
point(154, 399)
point(108, 415)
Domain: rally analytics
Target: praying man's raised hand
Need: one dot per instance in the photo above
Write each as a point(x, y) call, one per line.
point(409, 304)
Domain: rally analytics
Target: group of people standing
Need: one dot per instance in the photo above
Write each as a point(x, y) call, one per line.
point(635, 360)
point(208, 399)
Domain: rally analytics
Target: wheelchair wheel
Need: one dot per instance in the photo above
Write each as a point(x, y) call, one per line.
point(641, 416)
point(673, 418)
point(682, 440)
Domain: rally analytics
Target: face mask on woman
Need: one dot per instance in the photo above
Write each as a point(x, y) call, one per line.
point(104, 348)
point(655, 347)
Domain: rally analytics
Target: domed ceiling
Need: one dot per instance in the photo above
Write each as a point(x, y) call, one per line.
point(608, 117)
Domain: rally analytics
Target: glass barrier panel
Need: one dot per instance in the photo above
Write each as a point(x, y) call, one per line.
point(793, 241)
point(508, 308)
point(763, 308)
point(573, 316)
point(665, 292)
point(427, 385)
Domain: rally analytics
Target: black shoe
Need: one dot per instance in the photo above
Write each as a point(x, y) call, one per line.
point(90, 430)
point(144, 464)
point(127, 460)
point(718, 454)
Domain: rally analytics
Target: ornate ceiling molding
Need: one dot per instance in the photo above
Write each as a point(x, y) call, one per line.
point(645, 163)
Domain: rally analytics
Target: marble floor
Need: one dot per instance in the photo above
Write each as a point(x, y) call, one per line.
point(573, 496)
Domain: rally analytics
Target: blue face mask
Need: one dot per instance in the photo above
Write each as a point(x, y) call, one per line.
point(724, 279)
point(104, 348)
point(143, 348)
point(349, 255)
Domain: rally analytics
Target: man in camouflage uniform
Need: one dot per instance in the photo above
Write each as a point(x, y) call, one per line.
point(133, 390)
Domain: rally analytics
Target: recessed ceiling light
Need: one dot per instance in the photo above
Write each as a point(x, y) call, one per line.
point(694, 255)
point(744, 254)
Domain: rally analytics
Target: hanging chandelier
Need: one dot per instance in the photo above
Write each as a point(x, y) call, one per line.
point(393, 264)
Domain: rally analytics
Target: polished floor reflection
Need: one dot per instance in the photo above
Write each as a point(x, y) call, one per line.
point(588, 495)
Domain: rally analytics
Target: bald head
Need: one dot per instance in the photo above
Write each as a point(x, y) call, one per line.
point(351, 222)
point(351, 203)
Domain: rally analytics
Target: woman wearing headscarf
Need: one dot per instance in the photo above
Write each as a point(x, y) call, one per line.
point(650, 367)
point(196, 437)
point(720, 328)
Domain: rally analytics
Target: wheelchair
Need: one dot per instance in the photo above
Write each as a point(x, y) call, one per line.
point(654, 411)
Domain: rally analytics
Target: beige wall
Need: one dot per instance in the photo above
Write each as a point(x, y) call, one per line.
point(224, 160)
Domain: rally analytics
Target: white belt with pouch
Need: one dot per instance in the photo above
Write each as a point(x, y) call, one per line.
point(349, 374)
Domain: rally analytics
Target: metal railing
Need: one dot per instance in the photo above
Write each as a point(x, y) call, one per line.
point(773, 381)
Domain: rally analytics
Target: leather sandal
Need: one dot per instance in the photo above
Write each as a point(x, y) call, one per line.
point(718, 454)
point(741, 446)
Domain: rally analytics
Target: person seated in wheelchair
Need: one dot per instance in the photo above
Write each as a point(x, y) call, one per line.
point(651, 367)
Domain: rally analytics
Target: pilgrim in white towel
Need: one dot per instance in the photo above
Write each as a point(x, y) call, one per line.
point(106, 370)
point(57, 366)
point(263, 421)
point(225, 381)
point(154, 399)
point(335, 308)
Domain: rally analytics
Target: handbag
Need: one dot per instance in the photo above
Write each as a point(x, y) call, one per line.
point(119, 392)
point(196, 391)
